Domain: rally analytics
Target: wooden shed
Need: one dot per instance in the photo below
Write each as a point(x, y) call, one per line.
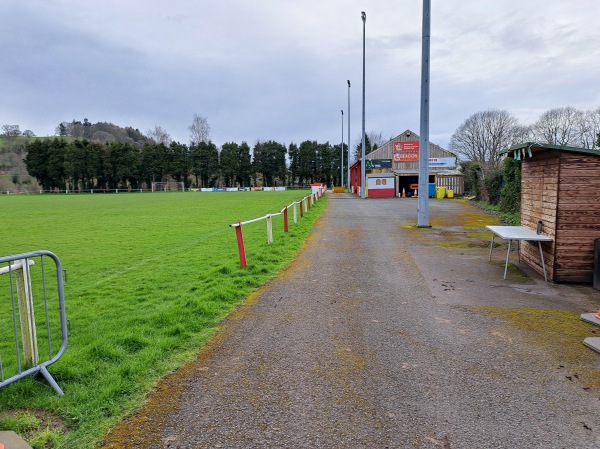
point(561, 187)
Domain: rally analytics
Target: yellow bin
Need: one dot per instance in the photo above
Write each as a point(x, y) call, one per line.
point(450, 193)
point(440, 192)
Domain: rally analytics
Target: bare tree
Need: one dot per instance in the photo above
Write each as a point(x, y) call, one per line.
point(199, 130)
point(559, 126)
point(103, 136)
point(376, 139)
point(590, 129)
point(481, 137)
point(159, 135)
point(28, 133)
point(11, 130)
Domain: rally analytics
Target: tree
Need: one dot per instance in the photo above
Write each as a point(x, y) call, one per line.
point(28, 133)
point(205, 163)
point(199, 130)
point(57, 152)
point(159, 135)
point(61, 129)
point(11, 131)
point(590, 129)
point(154, 164)
point(230, 162)
point(481, 137)
point(179, 162)
point(36, 161)
point(358, 148)
point(307, 162)
point(269, 161)
point(376, 139)
point(293, 154)
point(559, 126)
point(245, 168)
point(335, 164)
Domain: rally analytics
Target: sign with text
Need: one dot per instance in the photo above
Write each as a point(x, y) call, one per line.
point(378, 163)
point(406, 151)
point(442, 162)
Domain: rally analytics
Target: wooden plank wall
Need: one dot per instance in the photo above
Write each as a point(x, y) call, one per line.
point(451, 182)
point(539, 187)
point(578, 217)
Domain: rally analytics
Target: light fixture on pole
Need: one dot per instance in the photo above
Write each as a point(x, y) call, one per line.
point(362, 163)
point(342, 157)
point(348, 164)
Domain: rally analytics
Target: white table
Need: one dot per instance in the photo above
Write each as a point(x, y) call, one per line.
point(518, 233)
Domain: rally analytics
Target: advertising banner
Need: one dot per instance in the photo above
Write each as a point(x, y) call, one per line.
point(406, 151)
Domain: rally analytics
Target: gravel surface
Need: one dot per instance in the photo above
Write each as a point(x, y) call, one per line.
point(381, 335)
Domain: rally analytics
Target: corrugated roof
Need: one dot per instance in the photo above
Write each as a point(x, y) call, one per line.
point(525, 149)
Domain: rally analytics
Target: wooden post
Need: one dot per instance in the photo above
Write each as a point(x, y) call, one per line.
point(240, 242)
point(302, 207)
point(26, 315)
point(269, 230)
point(285, 220)
point(295, 214)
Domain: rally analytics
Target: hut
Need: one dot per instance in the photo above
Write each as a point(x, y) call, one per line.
point(559, 187)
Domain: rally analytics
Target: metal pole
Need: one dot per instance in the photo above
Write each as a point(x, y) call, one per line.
point(348, 164)
point(342, 158)
point(362, 164)
point(423, 203)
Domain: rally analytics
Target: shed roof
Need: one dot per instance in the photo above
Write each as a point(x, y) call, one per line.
point(526, 148)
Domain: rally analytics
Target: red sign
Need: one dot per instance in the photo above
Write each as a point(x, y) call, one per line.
point(406, 151)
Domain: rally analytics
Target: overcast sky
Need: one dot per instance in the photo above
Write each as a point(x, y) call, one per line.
point(277, 69)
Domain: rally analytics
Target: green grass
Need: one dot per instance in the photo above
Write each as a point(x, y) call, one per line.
point(512, 219)
point(149, 277)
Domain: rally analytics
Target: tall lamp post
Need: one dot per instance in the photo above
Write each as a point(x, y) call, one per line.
point(362, 164)
point(342, 158)
point(348, 164)
point(423, 203)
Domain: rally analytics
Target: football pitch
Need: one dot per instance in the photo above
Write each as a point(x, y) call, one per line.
point(149, 276)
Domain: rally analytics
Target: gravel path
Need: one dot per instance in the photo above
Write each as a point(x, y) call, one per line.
point(385, 336)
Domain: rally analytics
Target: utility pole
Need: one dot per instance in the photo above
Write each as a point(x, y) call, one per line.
point(342, 158)
point(362, 163)
point(423, 202)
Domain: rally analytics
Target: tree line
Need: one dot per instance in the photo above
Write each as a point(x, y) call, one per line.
point(480, 138)
point(80, 164)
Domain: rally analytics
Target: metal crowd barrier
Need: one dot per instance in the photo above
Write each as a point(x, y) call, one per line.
point(32, 316)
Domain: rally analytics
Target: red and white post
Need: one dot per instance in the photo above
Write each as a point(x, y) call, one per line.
point(240, 243)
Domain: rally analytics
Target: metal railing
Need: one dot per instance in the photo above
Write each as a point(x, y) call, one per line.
point(26, 286)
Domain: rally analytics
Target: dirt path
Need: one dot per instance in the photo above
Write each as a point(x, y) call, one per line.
point(385, 336)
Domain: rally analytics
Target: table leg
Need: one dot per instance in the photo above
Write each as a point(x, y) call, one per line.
point(542, 258)
point(507, 256)
point(491, 246)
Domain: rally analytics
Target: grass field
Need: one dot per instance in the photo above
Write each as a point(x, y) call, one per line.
point(149, 277)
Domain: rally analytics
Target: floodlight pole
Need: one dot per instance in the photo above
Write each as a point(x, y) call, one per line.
point(362, 163)
point(342, 157)
point(348, 163)
point(423, 202)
